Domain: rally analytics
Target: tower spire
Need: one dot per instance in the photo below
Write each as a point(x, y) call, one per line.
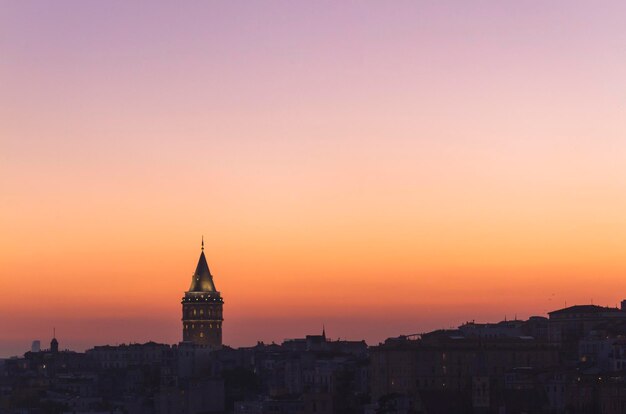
point(202, 280)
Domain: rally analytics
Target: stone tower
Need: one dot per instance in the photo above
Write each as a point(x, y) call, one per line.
point(202, 308)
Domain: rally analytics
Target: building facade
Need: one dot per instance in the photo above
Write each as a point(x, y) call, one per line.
point(202, 308)
point(451, 362)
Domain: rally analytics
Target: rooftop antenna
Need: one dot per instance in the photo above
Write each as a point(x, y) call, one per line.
point(54, 332)
point(203, 242)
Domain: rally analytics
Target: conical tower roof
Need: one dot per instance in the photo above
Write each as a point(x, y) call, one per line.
point(202, 280)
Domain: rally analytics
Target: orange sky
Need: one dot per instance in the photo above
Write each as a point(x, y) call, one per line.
point(378, 170)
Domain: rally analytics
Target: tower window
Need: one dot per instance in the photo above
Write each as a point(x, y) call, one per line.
point(201, 334)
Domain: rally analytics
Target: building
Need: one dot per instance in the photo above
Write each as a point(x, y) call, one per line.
point(575, 322)
point(128, 356)
point(468, 369)
point(202, 308)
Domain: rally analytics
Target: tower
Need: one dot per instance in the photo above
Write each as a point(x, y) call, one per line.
point(202, 308)
point(54, 344)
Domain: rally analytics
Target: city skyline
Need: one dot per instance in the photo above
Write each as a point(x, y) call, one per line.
point(203, 283)
point(378, 169)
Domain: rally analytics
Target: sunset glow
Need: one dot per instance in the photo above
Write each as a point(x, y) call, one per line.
point(377, 168)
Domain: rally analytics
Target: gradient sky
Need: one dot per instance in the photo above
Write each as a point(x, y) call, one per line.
point(382, 168)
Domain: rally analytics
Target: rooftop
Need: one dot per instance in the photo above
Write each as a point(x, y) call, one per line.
point(584, 309)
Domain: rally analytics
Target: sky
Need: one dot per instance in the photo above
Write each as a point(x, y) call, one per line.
point(377, 168)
